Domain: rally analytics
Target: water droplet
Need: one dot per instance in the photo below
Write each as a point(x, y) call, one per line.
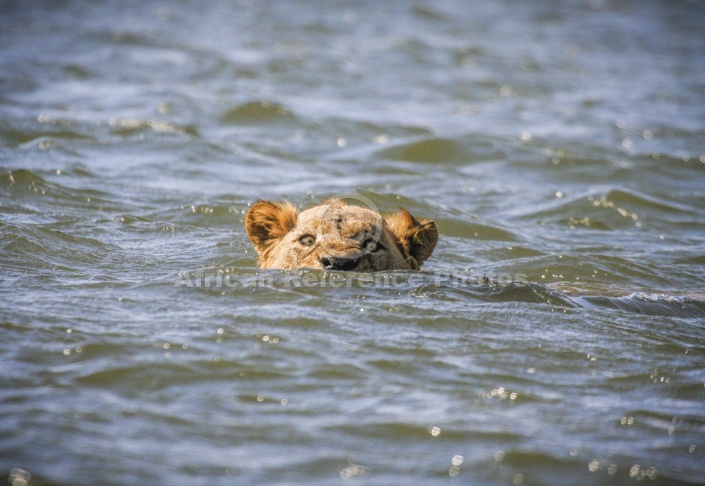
point(353, 470)
point(19, 477)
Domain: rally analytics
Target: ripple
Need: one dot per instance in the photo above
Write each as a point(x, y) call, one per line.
point(26, 133)
point(21, 177)
point(431, 151)
point(131, 126)
point(473, 231)
point(38, 247)
point(256, 113)
point(652, 304)
point(611, 210)
point(132, 150)
point(51, 197)
point(465, 287)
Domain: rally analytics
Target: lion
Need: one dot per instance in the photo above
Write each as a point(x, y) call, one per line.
point(336, 235)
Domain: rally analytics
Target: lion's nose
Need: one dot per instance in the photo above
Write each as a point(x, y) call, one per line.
point(337, 263)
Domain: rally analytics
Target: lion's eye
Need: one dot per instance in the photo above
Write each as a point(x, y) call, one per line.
point(307, 240)
point(370, 245)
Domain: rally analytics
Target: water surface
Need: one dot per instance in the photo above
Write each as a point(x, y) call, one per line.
point(556, 336)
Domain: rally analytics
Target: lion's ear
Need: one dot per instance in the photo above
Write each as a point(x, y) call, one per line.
point(267, 222)
point(417, 239)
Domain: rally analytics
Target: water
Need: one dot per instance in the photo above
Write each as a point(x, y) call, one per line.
point(559, 146)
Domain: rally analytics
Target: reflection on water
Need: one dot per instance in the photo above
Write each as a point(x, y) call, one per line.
point(555, 336)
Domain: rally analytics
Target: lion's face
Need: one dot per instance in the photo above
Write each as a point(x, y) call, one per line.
point(338, 236)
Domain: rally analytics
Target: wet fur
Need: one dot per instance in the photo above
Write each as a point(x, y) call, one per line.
point(342, 236)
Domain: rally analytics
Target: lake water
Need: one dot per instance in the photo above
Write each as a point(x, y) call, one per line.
point(556, 335)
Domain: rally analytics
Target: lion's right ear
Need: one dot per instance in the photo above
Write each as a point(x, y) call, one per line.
point(267, 222)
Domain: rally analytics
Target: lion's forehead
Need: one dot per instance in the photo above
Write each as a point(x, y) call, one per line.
point(347, 221)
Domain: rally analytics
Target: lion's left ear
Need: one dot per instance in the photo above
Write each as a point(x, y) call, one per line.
point(417, 239)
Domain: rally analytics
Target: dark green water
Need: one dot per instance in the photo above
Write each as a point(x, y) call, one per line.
point(555, 337)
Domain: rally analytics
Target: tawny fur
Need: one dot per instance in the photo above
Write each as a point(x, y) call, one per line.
point(337, 236)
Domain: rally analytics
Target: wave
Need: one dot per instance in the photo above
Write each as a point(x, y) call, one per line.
point(23, 183)
point(43, 248)
point(22, 132)
point(430, 150)
point(450, 286)
point(257, 112)
point(651, 304)
point(611, 209)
